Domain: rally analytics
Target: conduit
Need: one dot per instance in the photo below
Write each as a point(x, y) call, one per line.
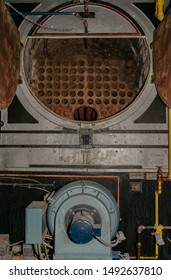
point(71, 176)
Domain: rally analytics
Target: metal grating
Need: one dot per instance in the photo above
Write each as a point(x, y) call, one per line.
point(84, 79)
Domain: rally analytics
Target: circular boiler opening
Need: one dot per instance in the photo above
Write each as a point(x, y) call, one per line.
point(86, 79)
point(85, 114)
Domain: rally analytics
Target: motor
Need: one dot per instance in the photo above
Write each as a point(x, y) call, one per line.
point(83, 219)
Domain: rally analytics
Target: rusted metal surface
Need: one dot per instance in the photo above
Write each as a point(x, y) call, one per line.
point(84, 79)
point(162, 59)
point(9, 57)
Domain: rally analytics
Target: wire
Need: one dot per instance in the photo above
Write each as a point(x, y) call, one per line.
point(111, 245)
point(24, 186)
point(43, 250)
point(46, 252)
point(115, 242)
point(49, 237)
point(169, 239)
point(31, 21)
point(16, 243)
point(21, 178)
point(47, 245)
point(41, 256)
point(124, 256)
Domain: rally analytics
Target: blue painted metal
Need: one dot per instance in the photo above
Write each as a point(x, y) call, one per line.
point(115, 255)
point(82, 14)
point(81, 231)
point(44, 13)
point(84, 188)
point(73, 237)
point(84, 227)
point(35, 222)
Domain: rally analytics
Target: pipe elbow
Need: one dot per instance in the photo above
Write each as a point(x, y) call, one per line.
point(140, 228)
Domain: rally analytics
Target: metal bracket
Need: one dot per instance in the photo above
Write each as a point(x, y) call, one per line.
point(86, 138)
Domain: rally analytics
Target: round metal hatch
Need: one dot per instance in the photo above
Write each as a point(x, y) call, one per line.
point(88, 79)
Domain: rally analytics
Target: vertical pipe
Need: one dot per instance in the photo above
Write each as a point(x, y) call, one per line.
point(169, 143)
point(159, 9)
point(139, 243)
point(156, 209)
point(156, 251)
point(156, 220)
point(139, 251)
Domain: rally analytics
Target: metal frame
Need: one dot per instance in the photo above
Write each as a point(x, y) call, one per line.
point(53, 144)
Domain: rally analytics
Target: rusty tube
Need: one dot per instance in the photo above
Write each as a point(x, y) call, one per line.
point(138, 250)
point(139, 230)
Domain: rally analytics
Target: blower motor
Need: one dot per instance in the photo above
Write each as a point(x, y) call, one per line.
point(82, 217)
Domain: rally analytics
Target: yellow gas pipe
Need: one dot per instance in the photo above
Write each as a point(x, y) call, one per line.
point(158, 228)
point(159, 13)
point(159, 9)
point(156, 221)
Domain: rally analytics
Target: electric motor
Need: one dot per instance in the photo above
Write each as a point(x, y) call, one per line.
point(79, 213)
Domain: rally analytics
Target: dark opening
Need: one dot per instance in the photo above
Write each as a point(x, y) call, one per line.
point(85, 114)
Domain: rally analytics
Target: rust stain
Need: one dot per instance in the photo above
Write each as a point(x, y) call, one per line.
point(9, 57)
point(162, 59)
point(82, 83)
